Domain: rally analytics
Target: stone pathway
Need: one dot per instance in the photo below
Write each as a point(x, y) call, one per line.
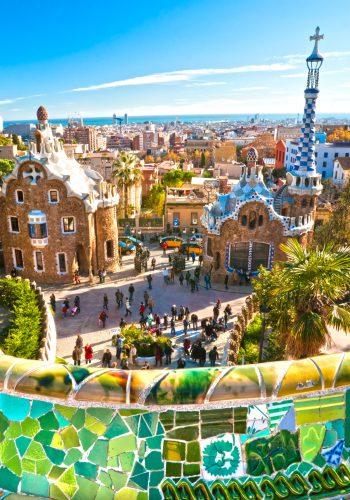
point(91, 299)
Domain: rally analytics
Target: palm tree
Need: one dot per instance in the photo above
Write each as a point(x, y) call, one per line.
point(306, 296)
point(126, 169)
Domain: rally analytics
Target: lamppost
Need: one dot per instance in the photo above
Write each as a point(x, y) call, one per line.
point(264, 310)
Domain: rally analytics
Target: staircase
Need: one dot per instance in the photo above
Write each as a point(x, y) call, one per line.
point(277, 202)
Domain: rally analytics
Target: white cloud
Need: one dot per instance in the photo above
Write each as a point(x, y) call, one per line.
point(16, 99)
point(248, 89)
point(294, 58)
point(184, 75)
point(294, 75)
point(205, 84)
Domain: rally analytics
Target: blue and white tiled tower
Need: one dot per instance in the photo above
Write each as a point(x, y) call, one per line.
point(304, 180)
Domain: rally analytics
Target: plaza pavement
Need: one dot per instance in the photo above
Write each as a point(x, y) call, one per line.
point(91, 299)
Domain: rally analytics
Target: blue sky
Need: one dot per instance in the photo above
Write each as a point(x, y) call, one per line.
point(169, 57)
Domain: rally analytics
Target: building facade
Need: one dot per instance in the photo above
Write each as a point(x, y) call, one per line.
point(58, 217)
point(341, 171)
point(244, 229)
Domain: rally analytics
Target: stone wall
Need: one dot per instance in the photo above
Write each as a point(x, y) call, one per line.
point(247, 313)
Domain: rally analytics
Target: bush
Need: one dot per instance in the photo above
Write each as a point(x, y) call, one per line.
point(144, 342)
point(22, 337)
point(253, 330)
point(275, 350)
point(250, 351)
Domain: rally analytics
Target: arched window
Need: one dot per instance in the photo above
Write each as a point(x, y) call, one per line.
point(315, 181)
point(261, 220)
point(244, 220)
point(307, 182)
point(298, 181)
point(304, 203)
point(252, 219)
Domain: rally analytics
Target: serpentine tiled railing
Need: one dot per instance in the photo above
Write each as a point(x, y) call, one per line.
point(272, 430)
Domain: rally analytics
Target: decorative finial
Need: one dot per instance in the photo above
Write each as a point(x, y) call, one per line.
point(316, 37)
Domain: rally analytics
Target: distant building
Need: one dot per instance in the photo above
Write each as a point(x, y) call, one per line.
point(284, 133)
point(184, 207)
point(85, 135)
point(126, 120)
point(280, 154)
point(230, 169)
point(341, 171)
point(25, 130)
point(8, 152)
point(149, 177)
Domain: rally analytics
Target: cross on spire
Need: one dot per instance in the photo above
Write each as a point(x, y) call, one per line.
point(317, 37)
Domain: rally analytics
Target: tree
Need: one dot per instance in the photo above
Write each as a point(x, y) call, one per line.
point(177, 177)
point(339, 135)
point(305, 294)
point(6, 167)
point(279, 173)
point(126, 170)
point(5, 141)
point(203, 161)
point(149, 159)
point(155, 199)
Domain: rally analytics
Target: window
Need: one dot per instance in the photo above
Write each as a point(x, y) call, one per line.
point(252, 220)
point(347, 155)
point(62, 266)
point(109, 249)
point(325, 155)
point(336, 175)
point(37, 231)
point(14, 225)
point(209, 247)
point(53, 196)
point(19, 196)
point(18, 258)
point(239, 256)
point(316, 154)
point(68, 225)
point(244, 220)
point(323, 174)
point(336, 155)
point(260, 255)
point(307, 182)
point(176, 219)
point(324, 164)
point(194, 219)
point(298, 181)
point(38, 260)
point(261, 220)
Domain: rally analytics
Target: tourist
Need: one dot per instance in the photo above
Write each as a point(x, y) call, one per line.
point(77, 303)
point(181, 313)
point(124, 363)
point(145, 366)
point(88, 353)
point(102, 317)
point(225, 318)
point(164, 247)
point(188, 278)
point(79, 342)
point(168, 350)
point(146, 297)
point(122, 323)
point(53, 302)
point(133, 355)
point(166, 276)
point(216, 312)
point(105, 302)
point(193, 284)
point(185, 324)
point(202, 355)
point(173, 311)
point(196, 283)
point(172, 327)
point(187, 312)
point(165, 321)
point(103, 275)
point(240, 276)
point(194, 321)
point(181, 278)
point(213, 355)
point(14, 272)
point(200, 260)
point(153, 264)
point(194, 351)
point(131, 292)
point(151, 304)
point(106, 359)
point(226, 282)
point(74, 310)
point(181, 363)
point(158, 353)
point(149, 279)
point(228, 309)
point(76, 355)
point(193, 256)
point(150, 320)
point(187, 346)
point(157, 320)
point(99, 273)
point(76, 277)
point(207, 281)
point(247, 278)
point(142, 310)
point(119, 345)
point(127, 307)
point(119, 298)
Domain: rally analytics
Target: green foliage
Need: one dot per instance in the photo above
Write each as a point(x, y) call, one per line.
point(177, 177)
point(126, 170)
point(203, 161)
point(275, 350)
point(144, 342)
point(155, 200)
point(6, 167)
point(20, 145)
point(250, 346)
point(253, 330)
point(207, 174)
point(279, 173)
point(24, 332)
point(5, 141)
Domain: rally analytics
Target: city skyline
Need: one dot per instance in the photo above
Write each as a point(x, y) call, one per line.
point(192, 58)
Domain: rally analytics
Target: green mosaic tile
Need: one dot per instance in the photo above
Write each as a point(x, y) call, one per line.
point(193, 452)
point(142, 496)
point(184, 433)
point(116, 428)
point(240, 420)
point(56, 472)
point(34, 485)
point(70, 437)
point(142, 448)
point(22, 444)
point(113, 462)
point(98, 453)
point(79, 373)
point(186, 418)
point(174, 450)
point(217, 416)
point(133, 423)
point(330, 438)
point(338, 426)
point(4, 423)
point(154, 494)
point(87, 489)
point(43, 466)
point(13, 408)
point(121, 444)
point(8, 480)
point(8, 450)
point(103, 414)
point(44, 437)
point(311, 439)
point(30, 427)
point(151, 420)
point(191, 470)
point(138, 469)
point(39, 408)
point(49, 421)
point(54, 455)
point(87, 438)
point(105, 478)
point(62, 421)
point(144, 430)
point(141, 480)
point(153, 461)
point(66, 411)
point(128, 413)
point(127, 494)
point(57, 441)
point(13, 430)
point(78, 419)
point(156, 478)
point(28, 465)
point(210, 430)
point(104, 494)
point(127, 461)
point(319, 461)
point(168, 419)
point(118, 479)
point(73, 455)
point(155, 443)
point(35, 452)
point(56, 493)
point(95, 426)
point(86, 469)
point(173, 469)
point(14, 465)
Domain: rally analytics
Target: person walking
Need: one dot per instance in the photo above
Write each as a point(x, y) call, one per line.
point(188, 278)
point(173, 311)
point(142, 310)
point(153, 264)
point(146, 297)
point(105, 302)
point(187, 346)
point(119, 345)
point(194, 321)
point(200, 260)
point(193, 256)
point(79, 342)
point(131, 292)
point(213, 355)
point(53, 302)
point(88, 353)
point(106, 358)
point(193, 284)
point(172, 327)
point(77, 303)
point(202, 355)
point(76, 278)
point(76, 355)
point(102, 317)
point(196, 283)
point(165, 321)
point(158, 352)
point(185, 324)
point(207, 281)
point(133, 355)
point(181, 278)
point(118, 298)
point(168, 350)
point(127, 307)
point(151, 304)
point(99, 273)
point(149, 279)
point(226, 282)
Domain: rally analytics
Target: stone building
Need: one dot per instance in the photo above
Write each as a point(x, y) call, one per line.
point(244, 229)
point(57, 216)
